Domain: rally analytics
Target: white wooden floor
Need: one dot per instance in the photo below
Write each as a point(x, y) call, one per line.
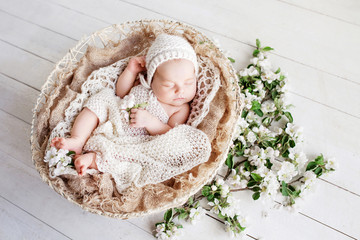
point(316, 42)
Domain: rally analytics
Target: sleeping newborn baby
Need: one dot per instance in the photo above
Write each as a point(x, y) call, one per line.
point(171, 67)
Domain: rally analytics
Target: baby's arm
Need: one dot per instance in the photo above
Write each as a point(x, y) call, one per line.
point(126, 79)
point(142, 118)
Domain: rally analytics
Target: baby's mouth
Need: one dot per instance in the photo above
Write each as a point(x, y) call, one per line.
point(179, 98)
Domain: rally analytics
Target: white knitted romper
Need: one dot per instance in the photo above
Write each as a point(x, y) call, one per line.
point(130, 154)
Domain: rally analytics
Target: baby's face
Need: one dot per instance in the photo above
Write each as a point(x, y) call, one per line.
point(174, 82)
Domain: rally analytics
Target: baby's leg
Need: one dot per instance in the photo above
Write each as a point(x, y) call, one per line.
point(85, 161)
point(83, 126)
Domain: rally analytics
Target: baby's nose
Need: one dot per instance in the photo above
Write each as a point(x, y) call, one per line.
point(180, 90)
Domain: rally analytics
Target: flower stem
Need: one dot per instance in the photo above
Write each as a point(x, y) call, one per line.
point(239, 189)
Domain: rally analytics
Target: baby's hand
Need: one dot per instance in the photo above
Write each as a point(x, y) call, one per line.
point(139, 117)
point(137, 64)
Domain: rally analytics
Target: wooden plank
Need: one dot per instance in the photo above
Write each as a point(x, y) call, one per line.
point(18, 224)
point(17, 98)
point(33, 38)
point(269, 222)
point(23, 66)
point(39, 200)
point(54, 17)
point(347, 10)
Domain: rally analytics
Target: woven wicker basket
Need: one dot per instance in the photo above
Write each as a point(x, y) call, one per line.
point(225, 109)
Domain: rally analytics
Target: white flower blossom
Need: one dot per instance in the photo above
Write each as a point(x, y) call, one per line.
point(196, 214)
point(224, 190)
point(269, 76)
point(251, 137)
point(287, 172)
point(276, 130)
point(252, 71)
point(258, 85)
point(270, 184)
point(168, 234)
point(298, 157)
point(252, 117)
point(309, 178)
point(293, 130)
point(331, 164)
point(58, 161)
point(234, 207)
point(215, 206)
point(257, 156)
point(268, 106)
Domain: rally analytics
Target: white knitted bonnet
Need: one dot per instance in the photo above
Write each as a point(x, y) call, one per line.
point(167, 47)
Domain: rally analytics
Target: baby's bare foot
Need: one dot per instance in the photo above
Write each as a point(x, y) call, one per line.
point(85, 161)
point(71, 144)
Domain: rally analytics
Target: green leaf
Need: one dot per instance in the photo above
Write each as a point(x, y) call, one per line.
point(292, 143)
point(256, 177)
point(231, 59)
point(296, 193)
point(251, 183)
point(191, 200)
point(311, 165)
point(274, 94)
point(210, 197)
point(277, 71)
point(206, 191)
point(255, 189)
point(256, 52)
point(278, 118)
point(319, 160)
point(70, 153)
point(256, 195)
point(288, 115)
point(285, 154)
point(259, 112)
point(168, 215)
point(244, 114)
point(221, 216)
point(229, 161)
point(247, 165)
point(183, 215)
point(268, 164)
point(255, 105)
point(257, 43)
point(285, 139)
point(266, 121)
point(318, 171)
point(267, 49)
point(284, 189)
point(197, 204)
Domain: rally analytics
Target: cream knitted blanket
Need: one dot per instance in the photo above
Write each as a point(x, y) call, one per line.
point(141, 159)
